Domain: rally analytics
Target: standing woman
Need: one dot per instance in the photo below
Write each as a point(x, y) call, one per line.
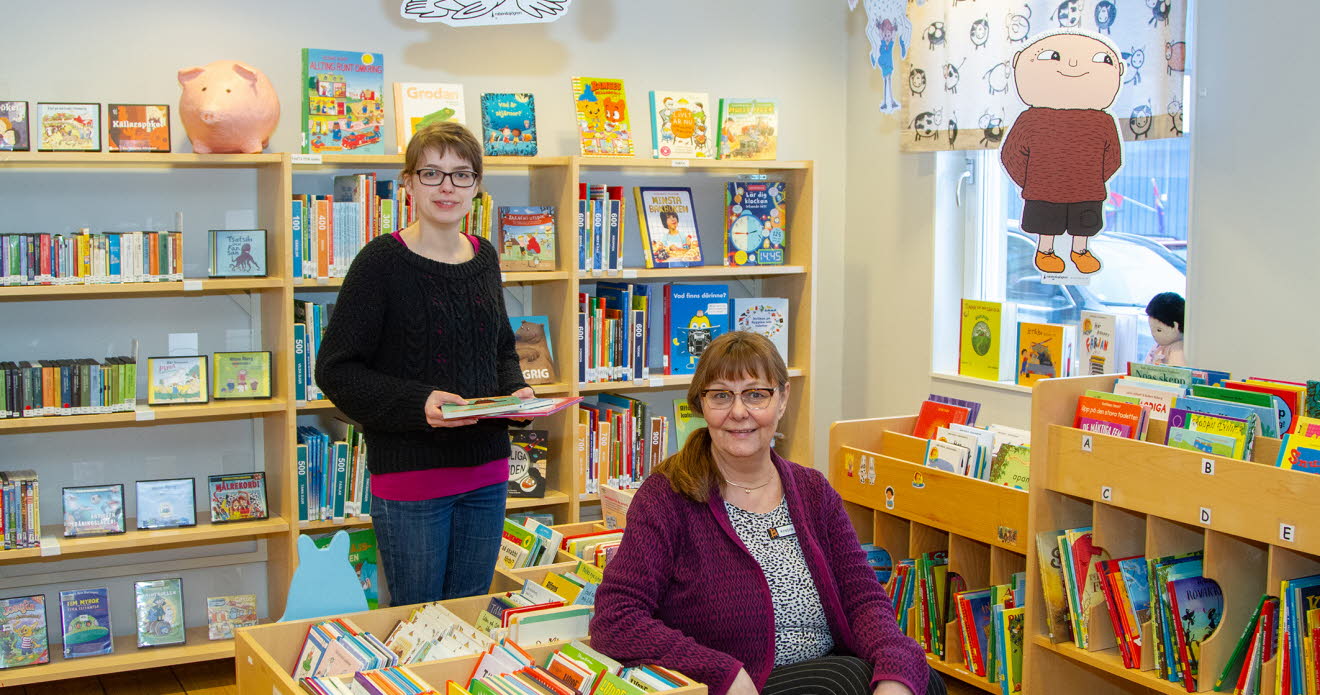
point(420, 322)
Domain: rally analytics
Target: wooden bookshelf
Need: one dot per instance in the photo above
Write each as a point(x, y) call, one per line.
point(126, 657)
point(550, 181)
point(1143, 498)
point(982, 526)
point(56, 547)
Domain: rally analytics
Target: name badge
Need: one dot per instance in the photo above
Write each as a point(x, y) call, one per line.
point(782, 532)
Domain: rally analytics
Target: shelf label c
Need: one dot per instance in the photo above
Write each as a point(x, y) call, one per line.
point(1107, 493)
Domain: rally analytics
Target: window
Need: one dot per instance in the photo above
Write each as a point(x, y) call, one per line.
point(1143, 246)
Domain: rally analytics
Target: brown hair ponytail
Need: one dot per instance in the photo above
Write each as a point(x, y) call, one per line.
point(692, 472)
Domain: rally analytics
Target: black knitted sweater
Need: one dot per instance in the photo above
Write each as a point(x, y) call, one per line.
point(405, 326)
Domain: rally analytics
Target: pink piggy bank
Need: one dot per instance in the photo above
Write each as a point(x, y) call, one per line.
point(227, 107)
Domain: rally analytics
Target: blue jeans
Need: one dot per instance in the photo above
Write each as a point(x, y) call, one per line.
point(441, 548)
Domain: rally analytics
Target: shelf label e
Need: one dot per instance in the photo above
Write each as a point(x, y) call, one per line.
point(1287, 533)
point(1205, 515)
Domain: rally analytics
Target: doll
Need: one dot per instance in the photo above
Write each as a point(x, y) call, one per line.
point(1165, 314)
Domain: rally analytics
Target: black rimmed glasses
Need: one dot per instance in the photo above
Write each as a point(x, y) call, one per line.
point(435, 177)
point(752, 399)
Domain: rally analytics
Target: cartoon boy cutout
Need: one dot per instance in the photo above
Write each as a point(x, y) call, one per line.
point(1064, 148)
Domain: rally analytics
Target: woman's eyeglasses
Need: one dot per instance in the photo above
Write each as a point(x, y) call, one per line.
point(753, 399)
point(435, 177)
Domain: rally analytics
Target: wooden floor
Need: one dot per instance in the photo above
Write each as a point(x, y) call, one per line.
point(204, 678)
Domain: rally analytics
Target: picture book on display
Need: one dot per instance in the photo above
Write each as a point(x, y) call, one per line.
point(159, 612)
point(23, 639)
point(68, 127)
point(527, 238)
point(241, 375)
point(342, 101)
point(1106, 342)
point(933, 415)
point(225, 613)
point(755, 222)
point(695, 315)
point(14, 135)
point(985, 339)
point(237, 496)
point(749, 128)
point(85, 618)
point(93, 510)
point(166, 503)
point(679, 125)
point(529, 451)
point(418, 104)
point(138, 127)
point(1043, 351)
point(667, 221)
point(536, 353)
point(602, 117)
point(765, 315)
point(507, 407)
point(508, 124)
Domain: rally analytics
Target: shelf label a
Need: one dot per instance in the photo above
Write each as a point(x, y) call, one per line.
point(1287, 533)
point(1086, 443)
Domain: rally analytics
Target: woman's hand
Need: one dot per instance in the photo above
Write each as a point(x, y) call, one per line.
point(434, 416)
point(525, 393)
point(743, 684)
point(891, 688)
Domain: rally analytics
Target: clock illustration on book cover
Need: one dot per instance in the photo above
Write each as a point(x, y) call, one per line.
point(746, 233)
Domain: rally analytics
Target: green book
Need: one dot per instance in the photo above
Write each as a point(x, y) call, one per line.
point(1236, 660)
point(1116, 397)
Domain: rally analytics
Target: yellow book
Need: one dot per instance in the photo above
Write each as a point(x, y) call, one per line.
point(452, 688)
point(1311, 623)
point(1043, 351)
point(562, 587)
point(590, 572)
point(979, 340)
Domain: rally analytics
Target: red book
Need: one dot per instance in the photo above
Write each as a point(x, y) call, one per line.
point(934, 415)
point(1184, 658)
point(1249, 660)
point(1290, 397)
point(1108, 417)
point(1104, 568)
point(971, 648)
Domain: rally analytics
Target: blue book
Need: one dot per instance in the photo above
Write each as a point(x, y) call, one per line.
point(1198, 608)
point(296, 235)
point(168, 503)
point(1269, 417)
point(1303, 594)
point(508, 124)
point(299, 362)
point(755, 222)
point(697, 315)
point(115, 268)
point(85, 617)
point(301, 449)
point(1133, 572)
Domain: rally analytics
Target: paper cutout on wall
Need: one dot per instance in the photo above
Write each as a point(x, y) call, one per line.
point(1063, 149)
point(887, 22)
point(475, 13)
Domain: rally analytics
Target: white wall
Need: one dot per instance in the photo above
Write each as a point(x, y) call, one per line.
point(1253, 253)
point(106, 52)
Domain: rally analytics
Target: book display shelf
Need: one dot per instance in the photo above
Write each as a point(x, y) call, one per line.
point(268, 181)
point(1256, 524)
point(982, 526)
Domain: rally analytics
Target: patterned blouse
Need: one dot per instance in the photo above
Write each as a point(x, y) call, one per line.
point(801, 630)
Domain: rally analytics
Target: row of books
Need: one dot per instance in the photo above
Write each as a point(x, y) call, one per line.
point(20, 510)
point(338, 647)
point(1209, 412)
point(528, 544)
point(334, 482)
point(620, 441)
point(329, 230)
point(77, 127)
point(68, 387)
point(85, 621)
point(995, 453)
point(574, 668)
point(309, 322)
point(86, 258)
point(1287, 625)
point(990, 624)
point(994, 345)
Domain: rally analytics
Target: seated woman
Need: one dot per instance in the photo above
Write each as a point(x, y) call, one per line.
point(741, 569)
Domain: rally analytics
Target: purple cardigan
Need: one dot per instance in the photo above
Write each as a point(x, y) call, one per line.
point(683, 592)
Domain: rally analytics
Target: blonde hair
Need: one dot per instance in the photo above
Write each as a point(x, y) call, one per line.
point(736, 355)
point(444, 137)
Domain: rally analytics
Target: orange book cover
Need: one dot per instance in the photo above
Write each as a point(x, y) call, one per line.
point(1108, 417)
point(323, 248)
point(139, 127)
point(934, 415)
